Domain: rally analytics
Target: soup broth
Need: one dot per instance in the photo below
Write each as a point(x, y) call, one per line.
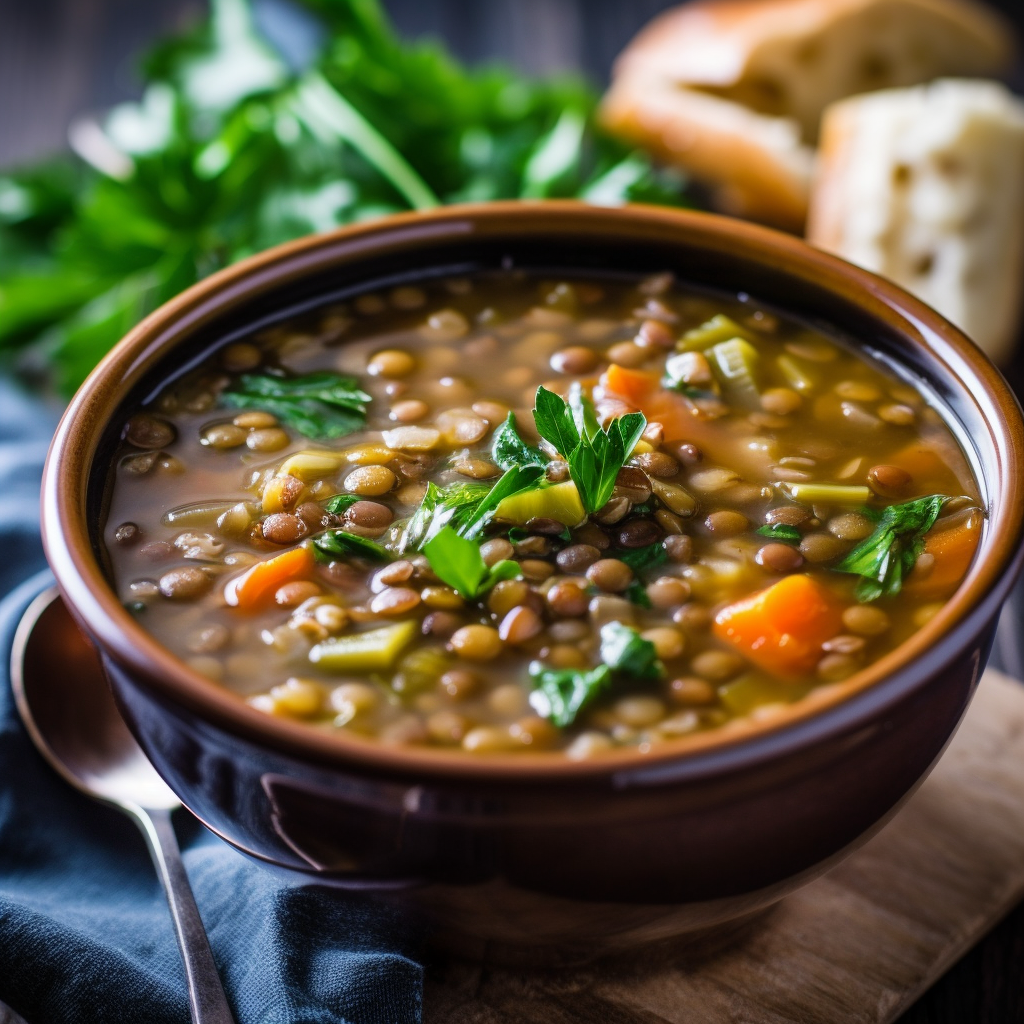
point(509, 513)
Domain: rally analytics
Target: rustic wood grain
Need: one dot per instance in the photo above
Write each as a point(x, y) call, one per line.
point(859, 945)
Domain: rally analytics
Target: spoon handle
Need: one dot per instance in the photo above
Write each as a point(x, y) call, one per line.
point(207, 1002)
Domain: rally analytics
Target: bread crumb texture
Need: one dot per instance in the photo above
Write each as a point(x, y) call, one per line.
point(925, 186)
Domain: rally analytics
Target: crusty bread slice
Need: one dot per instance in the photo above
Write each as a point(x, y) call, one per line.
point(781, 62)
point(925, 186)
point(755, 165)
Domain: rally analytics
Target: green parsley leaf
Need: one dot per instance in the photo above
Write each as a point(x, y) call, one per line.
point(625, 651)
point(510, 450)
point(335, 543)
point(594, 456)
point(886, 557)
point(562, 693)
point(336, 504)
point(555, 422)
point(636, 593)
point(648, 557)
point(458, 563)
point(441, 507)
point(780, 532)
point(322, 406)
point(514, 480)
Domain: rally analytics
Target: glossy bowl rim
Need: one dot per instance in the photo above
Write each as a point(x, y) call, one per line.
point(828, 715)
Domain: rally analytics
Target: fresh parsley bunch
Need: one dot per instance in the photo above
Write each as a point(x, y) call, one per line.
point(239, 143)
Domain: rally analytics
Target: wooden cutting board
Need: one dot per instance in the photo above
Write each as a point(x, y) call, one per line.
point(857, 946)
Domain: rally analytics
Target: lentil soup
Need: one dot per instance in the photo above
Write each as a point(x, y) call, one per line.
point(507, 513)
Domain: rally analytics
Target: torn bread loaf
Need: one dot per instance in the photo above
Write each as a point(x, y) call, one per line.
point(925, 186)
point(733, 90)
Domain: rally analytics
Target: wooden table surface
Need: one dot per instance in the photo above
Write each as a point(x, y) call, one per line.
point(60, 58)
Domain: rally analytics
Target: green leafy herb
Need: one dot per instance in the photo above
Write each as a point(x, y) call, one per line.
point(321, 405)
point(336, 504)
point(886, 557)
point(780, 532)
point(440, 507)
point(594, 456)
point(458, 563)
point(239, 143)
point(510, 450)
point(514, 480)
point(649, 557)
point(636, 593)
point(341, 543)
point(626, 652)
point(562, 693)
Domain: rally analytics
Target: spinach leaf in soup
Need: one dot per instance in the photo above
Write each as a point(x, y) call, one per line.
point(886, 557)
point(322, 406)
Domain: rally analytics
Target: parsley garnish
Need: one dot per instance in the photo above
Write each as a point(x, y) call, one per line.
point(340, 542)
point(625, 651)
point(780, 532)
point(594, 456)
point(458, 563)
point(886, 557)
point(509, 449)
point(336, 504)
point(322, 406)
point(648, 557)
point(562, 693)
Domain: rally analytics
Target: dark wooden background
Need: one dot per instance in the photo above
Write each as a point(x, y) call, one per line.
point(61, 58)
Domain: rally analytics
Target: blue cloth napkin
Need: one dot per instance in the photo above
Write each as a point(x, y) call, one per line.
point(85, 933)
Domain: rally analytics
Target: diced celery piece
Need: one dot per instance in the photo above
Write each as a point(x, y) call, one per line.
point(797, 377)
point(827, 494)
point(749, 692)
point(736, 361)
point(373, 651)
point(560, 502)
point(718, 328)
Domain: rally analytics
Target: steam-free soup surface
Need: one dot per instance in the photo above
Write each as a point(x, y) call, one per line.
point(514, 514)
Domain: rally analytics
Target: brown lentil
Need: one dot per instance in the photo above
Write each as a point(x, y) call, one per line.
point(716, 666)
point(865, 620)
point(639, 533)
point(575, 360)
point(780, 558)
point(269, 439)
point(567, 600)
point(409, 410)
point(185, 584)
point(668, 592)
point(691, 690)
point(610, 575)
point(284, 528)
point(371, 481)
point(888, 481)
point(522, 623)
point(727, 523)
point(145, 431)
point(391, 362)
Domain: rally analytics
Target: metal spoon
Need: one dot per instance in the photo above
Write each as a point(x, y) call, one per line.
point(66, 705)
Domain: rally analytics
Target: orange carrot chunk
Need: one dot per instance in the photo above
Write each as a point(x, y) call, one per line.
point(250, 591)
point(781, 629)
point(953, 549)
point(635, 386)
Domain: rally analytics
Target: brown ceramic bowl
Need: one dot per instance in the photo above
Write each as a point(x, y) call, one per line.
point(537, 849)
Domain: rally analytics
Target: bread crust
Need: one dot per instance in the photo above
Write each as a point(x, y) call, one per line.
point(711, 42)
point(732, 91)
point(756, 165)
